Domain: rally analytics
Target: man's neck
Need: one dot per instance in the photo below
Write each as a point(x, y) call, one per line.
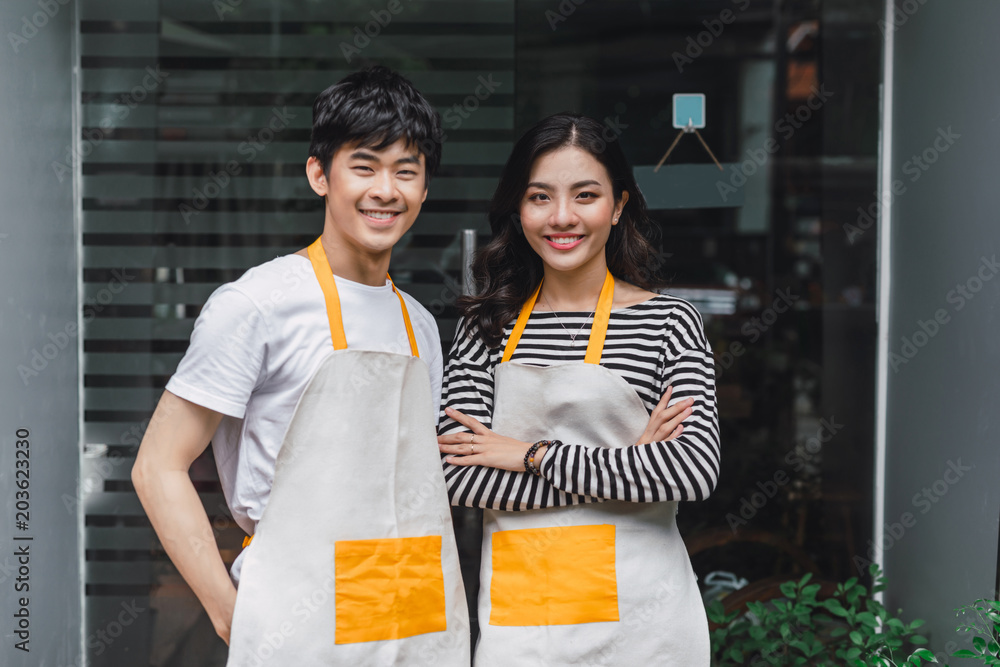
point(351, 263)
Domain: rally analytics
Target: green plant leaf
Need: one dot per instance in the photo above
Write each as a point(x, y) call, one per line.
point(788, 589)
point(868, 619)
point(736, 655)
point(925, 654)
point(811, 591)
point(964, 653)
point(800, 645)
point(834, 606)
point(917, 639)
point(857, 638)
point(715, 612)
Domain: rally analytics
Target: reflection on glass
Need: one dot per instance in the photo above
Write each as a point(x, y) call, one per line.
point(195, 124)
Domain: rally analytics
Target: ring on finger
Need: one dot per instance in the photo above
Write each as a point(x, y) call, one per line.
point(472, 441)
point(473, 448)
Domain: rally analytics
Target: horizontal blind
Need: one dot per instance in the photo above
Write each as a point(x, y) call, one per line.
point(186, 184)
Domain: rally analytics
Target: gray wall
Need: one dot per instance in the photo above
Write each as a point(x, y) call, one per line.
point(38, 272)
point(943, 401)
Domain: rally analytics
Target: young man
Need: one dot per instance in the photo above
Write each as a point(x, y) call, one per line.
point(355, 426)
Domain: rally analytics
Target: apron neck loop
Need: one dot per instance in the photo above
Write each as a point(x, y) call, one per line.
point(598, 330)
point(321, 267)
point(406, 319)
point(602, 315)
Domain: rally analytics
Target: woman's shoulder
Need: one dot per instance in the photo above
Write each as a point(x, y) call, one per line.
point(468, 335)
point(628, 295)
point(669, 318)
point(637, 299)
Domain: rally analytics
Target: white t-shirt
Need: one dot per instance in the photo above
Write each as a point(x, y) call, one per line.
point(256, 345)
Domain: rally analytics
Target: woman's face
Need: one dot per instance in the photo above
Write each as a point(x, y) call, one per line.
point(568, 209)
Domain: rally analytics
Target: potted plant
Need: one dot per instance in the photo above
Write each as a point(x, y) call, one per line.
point(804, 627)
point(986, 625)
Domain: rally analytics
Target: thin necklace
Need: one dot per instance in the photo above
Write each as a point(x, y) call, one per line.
point(572, 336)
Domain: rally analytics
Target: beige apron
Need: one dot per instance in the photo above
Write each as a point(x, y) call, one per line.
point(607, 583)
point(354, 559)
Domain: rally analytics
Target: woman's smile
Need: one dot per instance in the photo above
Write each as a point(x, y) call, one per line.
point(564, 241)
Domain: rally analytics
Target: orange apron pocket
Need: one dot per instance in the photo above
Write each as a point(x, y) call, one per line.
point(554, 576)
point(388, 588)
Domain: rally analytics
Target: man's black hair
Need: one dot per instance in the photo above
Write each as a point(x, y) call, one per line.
point(374, 108)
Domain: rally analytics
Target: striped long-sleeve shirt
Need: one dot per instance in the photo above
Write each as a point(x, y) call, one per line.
point(651, 345)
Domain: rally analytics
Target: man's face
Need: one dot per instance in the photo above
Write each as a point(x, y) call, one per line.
point(372, 196)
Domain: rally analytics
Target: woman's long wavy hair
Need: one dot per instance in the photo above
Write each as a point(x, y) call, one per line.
point(507, 269)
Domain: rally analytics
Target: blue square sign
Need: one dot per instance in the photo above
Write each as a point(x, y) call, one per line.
point(689, 110)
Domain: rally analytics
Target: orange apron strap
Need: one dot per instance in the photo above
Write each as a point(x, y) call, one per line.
point(247, 539)
point(406, 320)
point(321, 267)
point(522, 320)
point(599, 330)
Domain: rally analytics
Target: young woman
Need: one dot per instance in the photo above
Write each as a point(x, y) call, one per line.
point(555, 425)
